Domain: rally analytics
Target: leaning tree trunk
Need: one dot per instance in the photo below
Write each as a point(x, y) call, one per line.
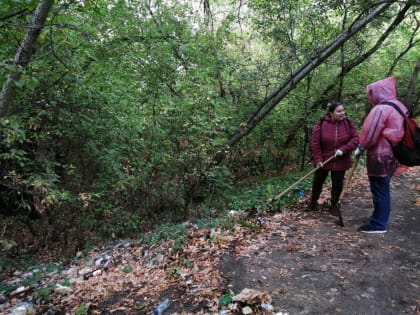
point(409, 96)
point(24, 54)
point(290, 83)
point(413, 42)
point(325, 96)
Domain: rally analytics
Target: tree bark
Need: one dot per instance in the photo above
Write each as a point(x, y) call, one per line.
point(413, 42)
point(346, 68)
point(24, 54)
point(409, 96)
point(358, 60)
point(290, 83)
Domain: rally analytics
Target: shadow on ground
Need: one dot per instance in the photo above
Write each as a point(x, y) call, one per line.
point(310, 265)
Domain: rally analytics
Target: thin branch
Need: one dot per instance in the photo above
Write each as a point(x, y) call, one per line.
point(291, 82)
point(21, 12)
point(325, 96)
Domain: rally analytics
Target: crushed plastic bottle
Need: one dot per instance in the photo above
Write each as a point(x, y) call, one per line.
point(25, 308)
point(161, 307)
point(267, 307)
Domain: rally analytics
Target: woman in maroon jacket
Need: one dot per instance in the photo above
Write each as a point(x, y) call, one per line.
point(333, 135)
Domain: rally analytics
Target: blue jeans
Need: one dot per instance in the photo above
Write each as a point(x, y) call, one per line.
point(381, 196)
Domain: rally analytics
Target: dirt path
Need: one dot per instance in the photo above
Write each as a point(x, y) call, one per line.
point(309, 265)
point(305, 262)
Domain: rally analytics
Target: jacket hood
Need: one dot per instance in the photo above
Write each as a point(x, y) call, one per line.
point(381, 91)
point(327, 117)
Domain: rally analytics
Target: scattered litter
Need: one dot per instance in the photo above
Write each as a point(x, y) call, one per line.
point(25, 308)
point(162, 307)
point(252, 297)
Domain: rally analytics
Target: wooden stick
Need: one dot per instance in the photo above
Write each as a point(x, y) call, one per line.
point(343, 191)
point(302, 179)
point(348, 179)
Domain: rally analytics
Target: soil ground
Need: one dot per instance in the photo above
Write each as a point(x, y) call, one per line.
point(314, 266)
point(304, 261)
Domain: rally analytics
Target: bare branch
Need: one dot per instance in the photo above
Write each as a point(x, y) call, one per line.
point(294, 78)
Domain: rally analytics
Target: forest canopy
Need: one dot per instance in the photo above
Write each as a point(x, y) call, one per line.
point(118, 114)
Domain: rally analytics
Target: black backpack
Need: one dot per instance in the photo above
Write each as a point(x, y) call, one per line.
point(407, 151)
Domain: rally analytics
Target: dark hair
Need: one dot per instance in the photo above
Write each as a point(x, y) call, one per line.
point(332, 106)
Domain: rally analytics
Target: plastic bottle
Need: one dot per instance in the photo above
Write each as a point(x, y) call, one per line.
point(161, 307)
point(267, 307)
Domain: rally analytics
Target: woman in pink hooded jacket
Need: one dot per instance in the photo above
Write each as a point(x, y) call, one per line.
point(382, 128)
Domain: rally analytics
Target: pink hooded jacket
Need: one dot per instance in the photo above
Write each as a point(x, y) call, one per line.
point(382, 126)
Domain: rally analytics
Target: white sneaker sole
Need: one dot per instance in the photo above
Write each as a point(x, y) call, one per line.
point(373, 232)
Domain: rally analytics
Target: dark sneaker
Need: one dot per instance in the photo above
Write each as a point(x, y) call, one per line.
point(335, 211)
point(312, 207)
point(371, 230)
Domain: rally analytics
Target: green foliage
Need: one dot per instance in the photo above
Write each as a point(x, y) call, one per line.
point(177, 246)
point(81, 310)
point(225, 299)
point(174, 272)
point(126, 269)
point(118, 117)
point(251, 225)
point(36, 277)
point(6, 288)
point(44, 294)
point(168, 231)
point(256, 194)
point(53, 267)
point(115, 221)
point(213, 219)
point(66, 282)
point(186, 262)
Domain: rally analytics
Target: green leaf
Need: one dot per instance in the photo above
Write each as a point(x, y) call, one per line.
point(225, 299)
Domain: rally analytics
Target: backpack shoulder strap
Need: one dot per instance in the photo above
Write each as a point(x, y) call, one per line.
point(395, 107)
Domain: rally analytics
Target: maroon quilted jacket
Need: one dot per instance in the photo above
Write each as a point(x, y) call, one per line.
point(328, 136)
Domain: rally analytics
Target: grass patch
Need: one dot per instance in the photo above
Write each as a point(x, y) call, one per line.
point(258, 193)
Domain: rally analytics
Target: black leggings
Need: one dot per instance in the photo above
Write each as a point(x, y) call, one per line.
point(337, 179)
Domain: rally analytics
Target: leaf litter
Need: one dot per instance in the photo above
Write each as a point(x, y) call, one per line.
point(297, 263)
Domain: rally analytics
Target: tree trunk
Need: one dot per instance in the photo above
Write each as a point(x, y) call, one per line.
point(346, 68)
point(290, 83)
point(409, 96)
point(357, 61)
point(24, 54)
point(413, 42)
